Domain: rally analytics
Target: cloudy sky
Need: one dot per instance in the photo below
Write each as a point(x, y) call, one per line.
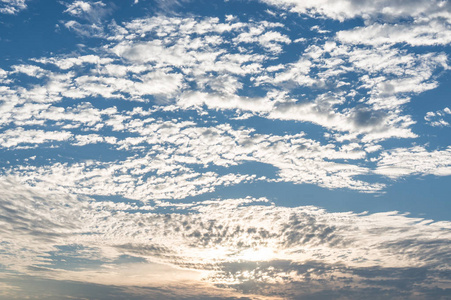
point(237, 149)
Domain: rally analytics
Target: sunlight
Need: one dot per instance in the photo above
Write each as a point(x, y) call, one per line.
point(257, 254)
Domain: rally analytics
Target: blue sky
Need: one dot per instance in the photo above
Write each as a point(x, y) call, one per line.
point(260, 149)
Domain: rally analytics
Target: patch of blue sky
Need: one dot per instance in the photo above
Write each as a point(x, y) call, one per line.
point(422, 196)
point(407, 195)
point(66, 259)
point(73, 257)
point(430, 101)
point(35, 35)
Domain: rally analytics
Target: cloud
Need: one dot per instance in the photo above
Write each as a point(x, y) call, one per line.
point(345, 9)
point(416, 160)
point(437, 118)
point(12, 7)
point(382, 87)
point(18, 136)
point(175, 69)
point(204, 72)
point(91, 16)
point(93, 11)
point(224, 102)
point(66, 63)
point(183, 153)
point(112, 152)
point(246, 245)
point(432, 33)
point(423, 24)
point(136, 178)
point(86, 139)
point(312, 280)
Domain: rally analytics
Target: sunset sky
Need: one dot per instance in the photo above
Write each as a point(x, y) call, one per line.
point(237, 149)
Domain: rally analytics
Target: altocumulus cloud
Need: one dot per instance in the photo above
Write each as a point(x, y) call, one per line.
point(195, 52)
point(247, 245)
point(130, 161)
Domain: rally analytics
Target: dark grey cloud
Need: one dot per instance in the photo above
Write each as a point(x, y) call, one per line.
point(367, 117)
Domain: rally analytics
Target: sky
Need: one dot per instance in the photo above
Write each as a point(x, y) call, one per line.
point(237, 149)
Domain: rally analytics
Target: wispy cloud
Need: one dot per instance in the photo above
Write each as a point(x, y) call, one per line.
point(416, 160)
point(90, 16)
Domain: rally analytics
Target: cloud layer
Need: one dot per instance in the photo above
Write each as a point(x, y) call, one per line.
point(196, 65)
point(112, 149)
point(249, 245)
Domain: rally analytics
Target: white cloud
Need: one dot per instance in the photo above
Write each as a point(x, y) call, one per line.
point(88, 30)
point(187, 65)
point(224, 102)
point(12, 7)
point(66, 63)
point(86, 139)
point(168, 66)
point(92, 11)
point(386, 79)
point(344, 9)
point(178, 144)
point(20, 136)
point(426, 23)
point(437, 118)
point(78, 8)
point(436, 32)
point(144, 179)
point(416, 160)
point(90, 15)
point(30, 70)
point(83, 115)
point(162, 172)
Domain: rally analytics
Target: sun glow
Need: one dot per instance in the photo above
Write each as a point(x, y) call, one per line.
point(257, 254)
